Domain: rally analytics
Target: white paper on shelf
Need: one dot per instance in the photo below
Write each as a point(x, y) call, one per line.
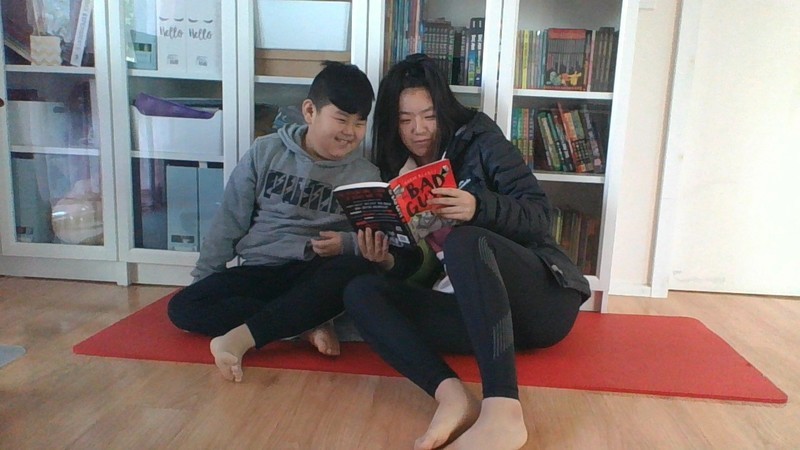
point(171, 36)
point(203, 42)
point(303, 25)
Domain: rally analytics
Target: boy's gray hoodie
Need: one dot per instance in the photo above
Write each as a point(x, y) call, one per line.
point(277, 199)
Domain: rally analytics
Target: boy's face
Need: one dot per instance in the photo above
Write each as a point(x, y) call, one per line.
point(332, 133)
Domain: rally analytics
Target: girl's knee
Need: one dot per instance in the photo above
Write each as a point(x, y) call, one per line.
point(361, 289)
point(464, 239)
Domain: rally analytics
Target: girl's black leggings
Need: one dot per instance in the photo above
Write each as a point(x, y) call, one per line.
point(505, 299)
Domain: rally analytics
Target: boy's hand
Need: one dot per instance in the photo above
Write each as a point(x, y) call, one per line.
point(454, 204)
point(329, 243)
point(374, 247)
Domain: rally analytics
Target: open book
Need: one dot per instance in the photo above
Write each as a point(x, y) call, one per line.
point(400, 208)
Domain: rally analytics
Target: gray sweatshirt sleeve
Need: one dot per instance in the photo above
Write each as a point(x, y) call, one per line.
point(231, 222)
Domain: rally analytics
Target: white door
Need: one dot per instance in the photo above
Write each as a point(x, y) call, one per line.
point(738, 201)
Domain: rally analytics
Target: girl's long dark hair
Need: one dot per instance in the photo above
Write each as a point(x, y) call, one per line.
point(417, 70)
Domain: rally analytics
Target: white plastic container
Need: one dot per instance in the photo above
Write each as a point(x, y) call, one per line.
point(177, 134)
point(38, 124)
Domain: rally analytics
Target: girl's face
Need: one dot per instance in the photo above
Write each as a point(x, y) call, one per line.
point(418, 129)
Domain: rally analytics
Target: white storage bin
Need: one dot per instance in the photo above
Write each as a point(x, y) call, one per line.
point(177, 134)
point(40, 124)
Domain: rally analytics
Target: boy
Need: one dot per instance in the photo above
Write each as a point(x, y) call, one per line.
point(278, 214)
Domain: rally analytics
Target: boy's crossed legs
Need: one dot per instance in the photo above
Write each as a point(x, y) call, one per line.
point(250, 306)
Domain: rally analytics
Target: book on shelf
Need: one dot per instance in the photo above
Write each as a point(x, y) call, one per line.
point(579, 151)
point(578, 234)
point(400, 208)
point(569, 138)
point(565, 58)
point(81, 32)
point(474, 60)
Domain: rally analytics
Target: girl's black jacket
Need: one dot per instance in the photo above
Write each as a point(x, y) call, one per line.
point(510, 201)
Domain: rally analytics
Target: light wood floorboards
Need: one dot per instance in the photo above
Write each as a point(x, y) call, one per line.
point(51, 398)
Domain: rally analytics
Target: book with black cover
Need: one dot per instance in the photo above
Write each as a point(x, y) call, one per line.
point(400, 208)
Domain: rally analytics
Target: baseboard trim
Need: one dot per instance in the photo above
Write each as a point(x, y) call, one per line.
point(631, 290)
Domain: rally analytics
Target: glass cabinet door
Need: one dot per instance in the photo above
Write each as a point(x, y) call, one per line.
point(286, 42)
point(175, 108)
point(463, 36)
point(56, 136)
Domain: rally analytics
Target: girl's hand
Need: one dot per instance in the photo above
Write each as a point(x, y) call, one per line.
point(454, 204)
point(374, 247)
point(329, 243)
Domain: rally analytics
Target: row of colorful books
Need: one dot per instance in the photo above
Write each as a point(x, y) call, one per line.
point(566, 59)
point(457, 50)
point(578, 234)
point(402, 30)
point(560, 138)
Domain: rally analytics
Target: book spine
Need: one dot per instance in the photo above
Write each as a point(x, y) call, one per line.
point(554, 156)
point(594, 142)
point(526, 43)
point(81, 32)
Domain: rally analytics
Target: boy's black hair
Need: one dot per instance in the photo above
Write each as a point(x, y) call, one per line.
point(416, 71)
point(344, 86)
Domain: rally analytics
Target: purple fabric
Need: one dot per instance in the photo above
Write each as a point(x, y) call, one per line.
point(154, 106)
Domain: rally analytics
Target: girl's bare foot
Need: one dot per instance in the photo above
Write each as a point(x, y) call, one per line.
point(500, 426)
point(458, 409)
point(229, 349)
point(324, 339)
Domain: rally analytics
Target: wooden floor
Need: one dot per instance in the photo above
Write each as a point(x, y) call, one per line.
point(51, 398)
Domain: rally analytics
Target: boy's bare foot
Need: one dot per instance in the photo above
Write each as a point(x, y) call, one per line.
point(229, 349)
point(324, 339)
point(458, 409)
point(500, 426)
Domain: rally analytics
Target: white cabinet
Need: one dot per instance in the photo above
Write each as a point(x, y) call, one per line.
point(173, 79)
point(57, 211)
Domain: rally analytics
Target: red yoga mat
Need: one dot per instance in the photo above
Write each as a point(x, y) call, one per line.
point(656, 355)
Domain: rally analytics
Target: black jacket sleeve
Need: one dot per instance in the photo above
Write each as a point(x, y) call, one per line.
point(510, 201)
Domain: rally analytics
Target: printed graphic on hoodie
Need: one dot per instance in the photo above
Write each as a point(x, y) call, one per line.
point(302, 192)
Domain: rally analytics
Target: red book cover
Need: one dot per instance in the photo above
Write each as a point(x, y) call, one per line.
point(400, 208)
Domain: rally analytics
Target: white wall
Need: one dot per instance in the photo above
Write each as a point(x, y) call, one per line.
point(739, 212)
point(736, 208)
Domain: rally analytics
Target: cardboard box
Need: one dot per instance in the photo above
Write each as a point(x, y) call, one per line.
point(295, 63)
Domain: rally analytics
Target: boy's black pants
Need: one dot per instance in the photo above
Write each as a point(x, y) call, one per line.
point(274, 301)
